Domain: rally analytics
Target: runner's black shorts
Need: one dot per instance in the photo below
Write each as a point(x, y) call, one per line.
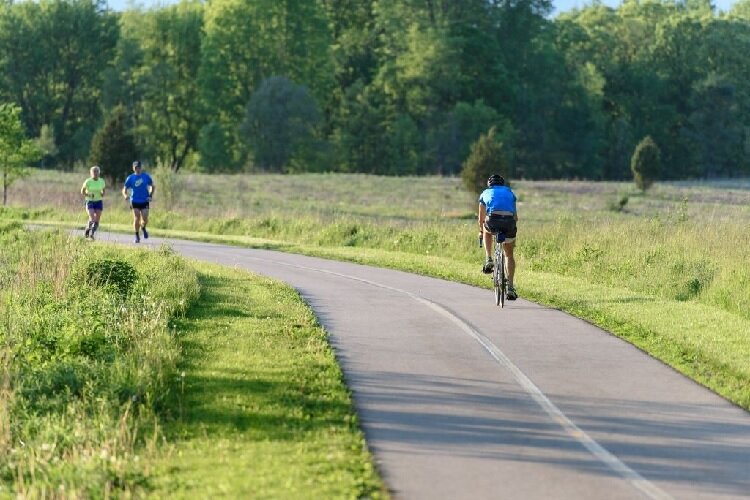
point(139, 206)
point(501, 223)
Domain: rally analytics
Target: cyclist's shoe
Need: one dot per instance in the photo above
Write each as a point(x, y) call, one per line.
point(145, 234)
point(488, 266)
point(137, 239)
point(511, 293)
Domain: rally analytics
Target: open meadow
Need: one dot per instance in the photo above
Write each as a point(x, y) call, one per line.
point(665, 270)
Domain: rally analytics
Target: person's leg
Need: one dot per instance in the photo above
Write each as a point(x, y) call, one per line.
point(144, 221)
point(137, 223)
point(510, 261)
point(90, 224)
point(97, 217)
point(488, 241)
point(510, 268)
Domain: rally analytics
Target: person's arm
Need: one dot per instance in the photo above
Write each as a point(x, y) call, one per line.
point(83, 189)
point(104, 188)
point(125, 191)
point(482, 216)
point(152, 188)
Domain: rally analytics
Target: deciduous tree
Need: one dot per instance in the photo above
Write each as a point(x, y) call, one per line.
point(16, 150)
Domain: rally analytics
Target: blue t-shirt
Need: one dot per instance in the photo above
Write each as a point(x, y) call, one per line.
point(498, 198)
point(138, 185)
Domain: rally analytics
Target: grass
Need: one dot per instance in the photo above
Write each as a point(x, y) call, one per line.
point(127, 373)
point(86, 358)
point(681, 248)
point(265, 413)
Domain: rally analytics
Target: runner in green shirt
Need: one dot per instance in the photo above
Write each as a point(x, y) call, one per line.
point(93, 191)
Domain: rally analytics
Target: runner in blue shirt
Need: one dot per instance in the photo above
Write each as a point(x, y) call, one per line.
point(497, 212)
point(139, 188)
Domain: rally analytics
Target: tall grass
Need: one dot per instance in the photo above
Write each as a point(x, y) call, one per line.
point(687, 242)
point(672, 259)
point(84, 362)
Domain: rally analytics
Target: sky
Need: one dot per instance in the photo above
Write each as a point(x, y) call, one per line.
point(560, 5)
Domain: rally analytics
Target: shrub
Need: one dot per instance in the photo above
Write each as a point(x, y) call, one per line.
point(109, 273)
point(487, 156)
point(645, 163)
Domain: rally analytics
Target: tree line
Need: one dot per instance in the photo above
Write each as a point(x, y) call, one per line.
point(401, 87)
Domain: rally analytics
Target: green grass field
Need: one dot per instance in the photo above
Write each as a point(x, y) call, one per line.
point(666, 270)
point(127, 373)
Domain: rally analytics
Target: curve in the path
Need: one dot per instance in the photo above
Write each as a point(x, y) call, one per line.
point(461, 399)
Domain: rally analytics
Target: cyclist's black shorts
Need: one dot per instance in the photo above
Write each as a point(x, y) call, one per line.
point(501, 223)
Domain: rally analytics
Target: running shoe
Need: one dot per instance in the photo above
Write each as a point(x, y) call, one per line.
point(86, 233)
point(145, 234)
point(137, 239)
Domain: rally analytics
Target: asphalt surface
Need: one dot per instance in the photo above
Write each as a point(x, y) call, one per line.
point(460, 399)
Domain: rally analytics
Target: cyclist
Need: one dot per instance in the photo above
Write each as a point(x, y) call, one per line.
point(93, 191)
point(497, 212)
point(141, 188)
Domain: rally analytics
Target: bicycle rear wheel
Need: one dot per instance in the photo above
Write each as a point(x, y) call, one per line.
point(498, 276)
point(498, 292)
point(501, 273)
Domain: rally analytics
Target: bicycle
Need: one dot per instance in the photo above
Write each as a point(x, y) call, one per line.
point(498, 273)
point(499, 282)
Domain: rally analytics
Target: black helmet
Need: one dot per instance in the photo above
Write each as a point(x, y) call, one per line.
point(495, 180)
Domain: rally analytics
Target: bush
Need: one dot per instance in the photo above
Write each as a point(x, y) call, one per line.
point(114, 273)
point(487, 156)
point(645, 163)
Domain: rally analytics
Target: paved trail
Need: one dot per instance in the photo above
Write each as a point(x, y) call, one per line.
point(462, 400)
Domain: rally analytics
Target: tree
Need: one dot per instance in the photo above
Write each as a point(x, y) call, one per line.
point(247, 42)
point(113, 147)
point(487, 157)
point(213, 146)
point(645, 163)
point(46, 143)
point(52, 54)
point(280, 122)
point(16, 151)
point(169, 115)
point(715, 133)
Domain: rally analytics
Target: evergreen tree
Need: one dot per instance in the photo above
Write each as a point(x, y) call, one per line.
point(645, 163)
point(487, 157)
point(113, 147)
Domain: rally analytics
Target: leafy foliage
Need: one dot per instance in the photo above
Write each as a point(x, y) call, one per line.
point(646, 163)
point(51, 57)
point(115, 273)
point(16, 151)
point(280, 123)
point(401, 87)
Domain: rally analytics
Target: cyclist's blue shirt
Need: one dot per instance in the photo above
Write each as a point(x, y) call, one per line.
point(498, 198)
point(138, 185)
